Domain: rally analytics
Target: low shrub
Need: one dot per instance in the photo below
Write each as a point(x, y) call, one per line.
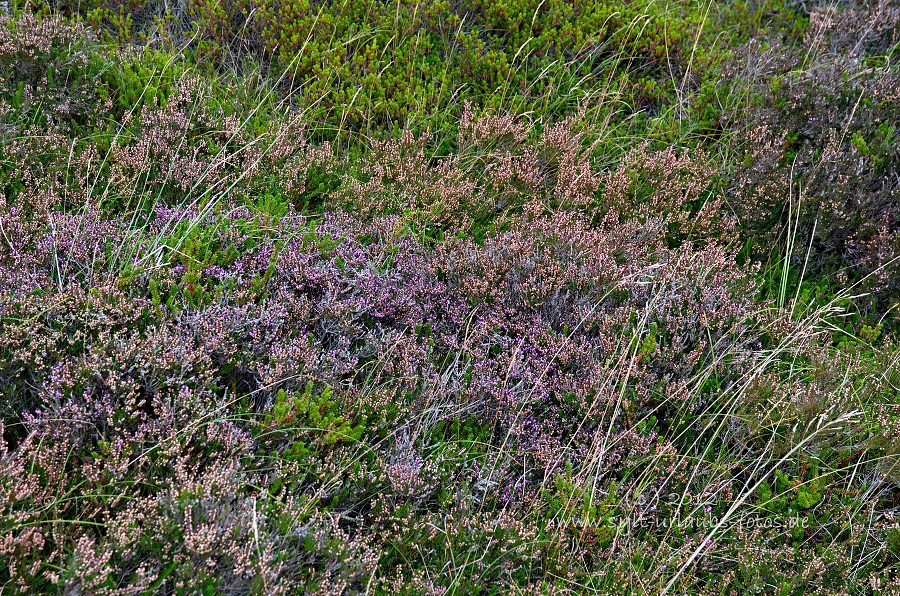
point(815, 178)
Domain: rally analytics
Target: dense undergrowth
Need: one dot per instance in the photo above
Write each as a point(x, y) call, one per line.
point(451, 297)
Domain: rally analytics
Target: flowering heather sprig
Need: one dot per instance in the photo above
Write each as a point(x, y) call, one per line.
point(49, 57)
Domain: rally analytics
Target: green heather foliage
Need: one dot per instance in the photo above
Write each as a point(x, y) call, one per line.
point(469, 297)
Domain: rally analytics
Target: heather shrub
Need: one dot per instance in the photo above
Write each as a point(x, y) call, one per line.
point(154, 135)
point(47, 70)
point(816, 176)
point(502, 172)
